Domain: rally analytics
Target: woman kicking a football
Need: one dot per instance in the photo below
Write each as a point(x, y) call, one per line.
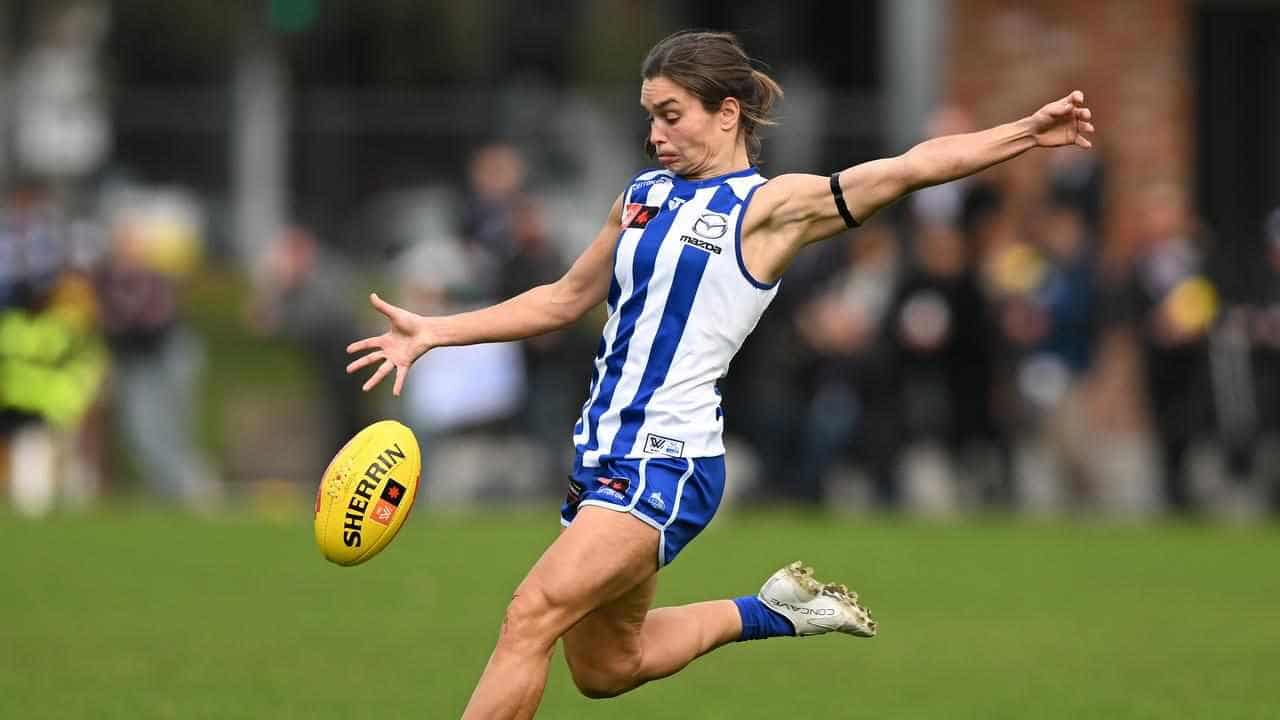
point(687, 261)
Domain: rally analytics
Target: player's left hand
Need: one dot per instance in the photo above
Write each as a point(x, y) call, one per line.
point(1063, 122)
point(396, 349)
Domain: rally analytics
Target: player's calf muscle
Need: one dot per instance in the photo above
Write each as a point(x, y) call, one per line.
point(608, 675)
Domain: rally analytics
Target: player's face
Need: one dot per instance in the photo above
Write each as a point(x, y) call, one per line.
point(687, 139)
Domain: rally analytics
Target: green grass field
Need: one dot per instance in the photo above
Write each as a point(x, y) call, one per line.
point(155, 616)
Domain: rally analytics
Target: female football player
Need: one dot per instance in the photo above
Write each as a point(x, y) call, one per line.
point(687, 261)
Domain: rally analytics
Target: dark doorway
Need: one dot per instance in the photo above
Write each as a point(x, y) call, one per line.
point(1238, 131)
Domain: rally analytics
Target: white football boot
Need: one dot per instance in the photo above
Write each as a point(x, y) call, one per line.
point(813, 607)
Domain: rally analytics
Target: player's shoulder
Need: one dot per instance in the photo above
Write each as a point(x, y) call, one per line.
point(745, 184)
point(790, 185)
point(778, 196)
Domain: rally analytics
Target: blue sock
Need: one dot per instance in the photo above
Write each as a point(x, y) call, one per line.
point(759, 622)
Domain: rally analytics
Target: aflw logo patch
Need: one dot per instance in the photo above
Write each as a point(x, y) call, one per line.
point(388, 503)
point(637, 215)
point(663, 445)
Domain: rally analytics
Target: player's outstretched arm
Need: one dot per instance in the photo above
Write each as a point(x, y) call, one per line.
point(534, 312)
point(795, 210)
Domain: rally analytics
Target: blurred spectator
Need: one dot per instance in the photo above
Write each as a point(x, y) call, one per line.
point(940, 325)
point(770, 372)
point(1251, 417)
point(852, 389)
point(1172, 305)
point(155, 243)
point(61, 125)
point(1044, 298)
point(494, 206)
point(306, 296)
point(504, 228)
point(767, 393)
point(51, 350)
point(554, 361)
point(1265, 332)
point(1076, 180)
point(51, 356)
point(455, 388)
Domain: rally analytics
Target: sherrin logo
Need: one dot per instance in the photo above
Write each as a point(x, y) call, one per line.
point(363, 495)
point(366, 492)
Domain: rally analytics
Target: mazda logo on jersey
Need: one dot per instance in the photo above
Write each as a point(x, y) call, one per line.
point(711, 226)
point(700, 244)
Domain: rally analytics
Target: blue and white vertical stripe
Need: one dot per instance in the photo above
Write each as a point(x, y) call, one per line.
point(680, 305)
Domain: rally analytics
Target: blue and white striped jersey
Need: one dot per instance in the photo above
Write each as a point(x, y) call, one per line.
point(680, 306)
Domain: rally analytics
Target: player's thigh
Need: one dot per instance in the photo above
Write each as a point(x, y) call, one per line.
point(610, 634)
point(599, 558)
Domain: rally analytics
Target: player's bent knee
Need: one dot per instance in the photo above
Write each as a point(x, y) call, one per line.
point(606, 679)
point(531, 623)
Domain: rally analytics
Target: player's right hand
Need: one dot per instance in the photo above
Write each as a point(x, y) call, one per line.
point(1063, 122)
point(397, 348)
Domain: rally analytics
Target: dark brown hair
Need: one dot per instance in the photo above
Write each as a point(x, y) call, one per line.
point(712, 66)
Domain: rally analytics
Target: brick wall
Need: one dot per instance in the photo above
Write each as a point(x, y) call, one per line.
point(1132, 58)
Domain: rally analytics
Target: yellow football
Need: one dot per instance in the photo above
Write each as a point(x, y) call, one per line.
point(366, 492)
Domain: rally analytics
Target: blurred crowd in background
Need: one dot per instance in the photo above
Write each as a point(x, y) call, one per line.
point(178, 332)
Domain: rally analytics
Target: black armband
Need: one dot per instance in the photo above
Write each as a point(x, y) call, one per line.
point(838, 194)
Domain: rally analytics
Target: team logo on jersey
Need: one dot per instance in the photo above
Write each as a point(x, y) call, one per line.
point(711, 226)
point(663, 445)
point(700, 244)
point(637, 215)
point(656, 501)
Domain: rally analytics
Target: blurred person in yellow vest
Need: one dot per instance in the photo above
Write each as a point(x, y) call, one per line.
point(52, 360)
point(1173, 304)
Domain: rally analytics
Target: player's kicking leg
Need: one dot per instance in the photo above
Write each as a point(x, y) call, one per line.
point(622, 645)
point(601, 557)
point(813, 607)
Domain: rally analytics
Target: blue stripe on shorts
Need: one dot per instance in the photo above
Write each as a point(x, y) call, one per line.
point(676, 496)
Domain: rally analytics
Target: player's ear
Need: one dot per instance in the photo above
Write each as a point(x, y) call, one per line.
point(727, 116)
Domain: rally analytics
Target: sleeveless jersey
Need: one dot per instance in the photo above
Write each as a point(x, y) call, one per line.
point(680, 305)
